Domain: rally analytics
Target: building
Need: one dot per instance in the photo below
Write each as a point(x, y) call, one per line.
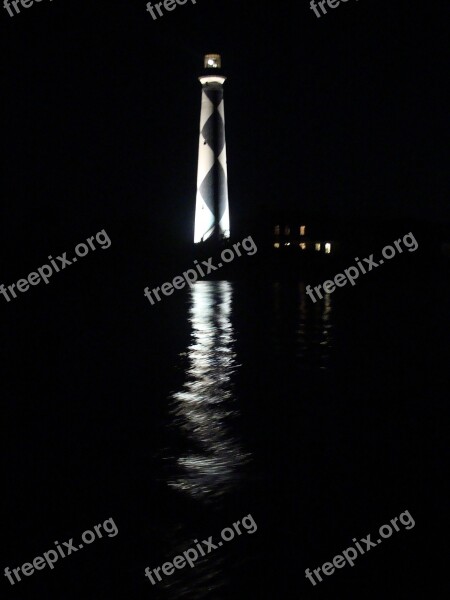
point(212, 215)
point(302, 236)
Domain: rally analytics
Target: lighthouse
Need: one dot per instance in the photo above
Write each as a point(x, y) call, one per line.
point(212, 215)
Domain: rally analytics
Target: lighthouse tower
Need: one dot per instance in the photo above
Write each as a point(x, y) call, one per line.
point(212, 216)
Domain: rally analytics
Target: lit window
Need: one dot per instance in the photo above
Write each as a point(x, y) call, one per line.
point(302, 229)
point(327, 248)
point(317, 246)
point(277, 230)
point(287, 230)
point(287, 243)
point(276, 245)
point(303, 246)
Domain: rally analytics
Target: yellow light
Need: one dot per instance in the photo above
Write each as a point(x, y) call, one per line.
point(327, 248)
point(303, 246)
point(276, 245)
point(213, 61)
point(302, 229)
point(317, 246)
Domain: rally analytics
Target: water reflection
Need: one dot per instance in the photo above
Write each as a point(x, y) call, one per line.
point(204, 410)
point(207, 461)
point(302, 329)
point(315, 329)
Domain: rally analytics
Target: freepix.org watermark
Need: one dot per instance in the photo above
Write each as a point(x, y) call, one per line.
point(349, 555)
point(24, 3)
point(50, 557)
point(191, 275)
point(329, 3)
point(45, 272)
point(190, 556)
point(168, 5)
point(352, 273)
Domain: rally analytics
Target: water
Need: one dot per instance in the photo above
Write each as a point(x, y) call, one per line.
point(319, 420)
point(204, 412)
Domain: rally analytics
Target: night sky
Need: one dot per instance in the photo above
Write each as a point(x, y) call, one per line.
point(342, 115)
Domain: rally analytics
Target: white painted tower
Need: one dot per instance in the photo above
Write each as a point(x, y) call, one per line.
point(212, 215)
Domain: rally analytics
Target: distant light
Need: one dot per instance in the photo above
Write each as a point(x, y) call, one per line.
point(302, 245)
point(302, 229)
point(212, 61)
point(327, 248)
point(287, 243)
point(276, 245)
point(317, 246)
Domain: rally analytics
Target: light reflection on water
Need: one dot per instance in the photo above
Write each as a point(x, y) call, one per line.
point(315, 329)
point(302, 329)
point(208, 460)
point(204, 410)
